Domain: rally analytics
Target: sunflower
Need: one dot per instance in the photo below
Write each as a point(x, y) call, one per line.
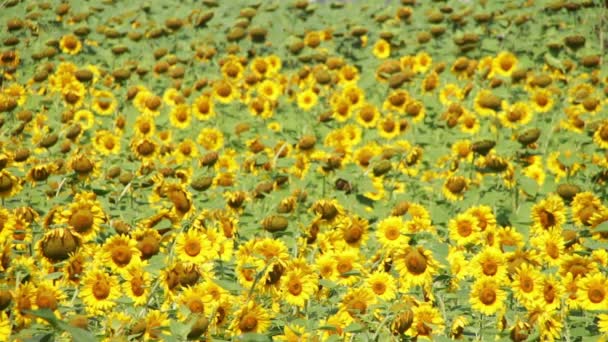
point(180, 117)
point(469, 123)
point(211, 139)
point(145, 125)
point(552, 292)
point(298, 286)
point(247, 269)
point(48, 296)
point(119, 252)
point(224, 91)
point(106, 142)
point(144, 148)
point(490, 263)
point(382, 49)
point(592, 292)
point(368, 115)
point(415, 110)
point(348, 74)
point(24, 298)
point(307, 99)
point(99, 291)
point(551, 246)
point(251, 317)
point(70, 44)
point(347, 263)
point(84, 217)
point(450, 93)
point(415, 265)
point(104, 102)
point(577, 266)
point(356, 302)
point(603, 323)
point(542, 100)
point(155, 323)
point(137, 281)
point(487, 103)
point(232, 69)
point(186, 150)
point(388, 127)
point(269, 89)
point(504, 64)
point(73, 94)
point(294, 333)
point(193, 247)
point(515, 115)
point(10, 185)
point(527, 285)
point(600, 137)
point(584, 205)
point(354, 95)
point(548, 214)
point(423, 62)
point(195, 300)
point(383, 285)
point(486, 296)
point(147, 103)
point(464, 229)
point(427, 319)
point(354, 231)
point(391, 233)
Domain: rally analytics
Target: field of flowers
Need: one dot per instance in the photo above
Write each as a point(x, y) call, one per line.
point(284, 170)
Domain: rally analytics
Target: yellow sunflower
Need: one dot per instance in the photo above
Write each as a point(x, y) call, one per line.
point(70, 44)
point(542, 100)
point(10, 185)
point(106, 142)
point(527, 285)
point(192, 246)
point(383, 285)
point(486, 296)
point(307, 99)
point(298, 286)
point(504, 64)
point(251, 317)
point(180, 116)
point(592, 292)
point(415, 265)
point(382, 49)
point(104, 102)
point(211, 139)
point(137, 282)
point(515, 115)
point(119, 252)
point(99, 291)
point(391, 233)
point(490, 263)
point(427, 322)
point(464, 229)
point(356, 302)
point(84, 217)
point(224, 91)
point(600, 137)
point(548, 214)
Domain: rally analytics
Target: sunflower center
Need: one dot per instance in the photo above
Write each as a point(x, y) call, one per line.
point(46, 301)
point(275, 274)
point(604, 133)
point(596, 295)
point(192, 247)
point(101, 289)
point(552, 250)
point(506, 64)
point(196, 305)
point(121, 255)
point(487, 296)
point(547, 219)
point(344, 266)
point(185, 149)
point(153, 102)
point(70, 43)
point(590, 104)
point(542, 100)
point(145, 127)
point(415, 262)
point(82, 220)
point(469, 122)
point(464, 228)
point(489, 268)
point(224, 90)
point(397, 100)
point(82, 166)
point(388, 125)
point(353, 234)
point(357, 307)
point(146, 148)
point(137, 286)
point(526, 284)
point(109, 143)
point(248, 323)
point(295, 287)
point(456, 185)
point(203, 107)
point(514, 115)
point(181, 116)
point(379, 288)
point(413, 109)
point(392, 233)
point(104, 104)
point(367, 114)
point(549, 293)
point(148, 247)
point(577, 270)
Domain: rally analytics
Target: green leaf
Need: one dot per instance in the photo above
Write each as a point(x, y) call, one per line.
point(328, 283)
point(229, 285)
point(601, 228)
point(354, 327)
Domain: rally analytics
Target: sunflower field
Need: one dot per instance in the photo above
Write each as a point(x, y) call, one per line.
point(304, 171)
